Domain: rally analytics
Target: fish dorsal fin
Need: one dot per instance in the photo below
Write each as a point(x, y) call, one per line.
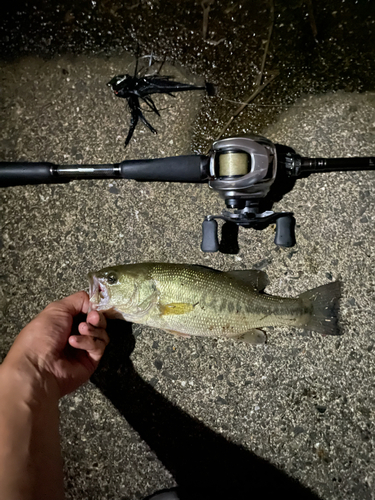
point(258, 280)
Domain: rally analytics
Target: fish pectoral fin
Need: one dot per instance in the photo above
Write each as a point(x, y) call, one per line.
point(175, 308)
point(258, 280)
point(255, 337)
point(178, 334)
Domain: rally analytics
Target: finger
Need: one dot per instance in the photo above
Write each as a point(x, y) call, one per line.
point(94, 347)
point(100, 333)
point(97, 319)
point(75, 304)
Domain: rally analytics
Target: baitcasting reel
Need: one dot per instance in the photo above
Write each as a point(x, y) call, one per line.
point(242, 170)
point(250, 173)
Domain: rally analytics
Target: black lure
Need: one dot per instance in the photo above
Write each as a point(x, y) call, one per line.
point(133, 88)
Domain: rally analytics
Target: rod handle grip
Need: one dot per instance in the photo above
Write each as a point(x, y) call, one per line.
point(23, 173)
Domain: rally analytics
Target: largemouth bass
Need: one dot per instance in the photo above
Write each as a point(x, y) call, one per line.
point(195, 300)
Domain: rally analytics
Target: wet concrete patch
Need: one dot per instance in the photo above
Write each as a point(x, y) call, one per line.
point(53, 235)
point(158, 399)
point(71, 93)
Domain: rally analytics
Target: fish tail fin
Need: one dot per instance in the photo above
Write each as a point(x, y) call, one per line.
point(325, 307)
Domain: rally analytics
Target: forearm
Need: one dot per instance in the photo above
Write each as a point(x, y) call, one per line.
point(49, 358)
point(30, 458)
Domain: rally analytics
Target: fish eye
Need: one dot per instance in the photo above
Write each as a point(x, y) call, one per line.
point(112, 278)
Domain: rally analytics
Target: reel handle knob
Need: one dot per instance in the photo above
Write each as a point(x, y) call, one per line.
point(285, 235)
point(210, 242)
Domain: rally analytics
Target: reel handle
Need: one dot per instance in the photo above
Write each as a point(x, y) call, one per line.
point(210, 242)
point(285, 231)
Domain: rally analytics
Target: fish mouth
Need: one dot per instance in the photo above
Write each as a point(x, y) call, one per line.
point(98, 293)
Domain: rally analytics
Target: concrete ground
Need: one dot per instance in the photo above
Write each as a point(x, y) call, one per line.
point(216, 418)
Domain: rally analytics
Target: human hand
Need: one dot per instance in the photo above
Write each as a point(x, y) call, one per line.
point(50, 350)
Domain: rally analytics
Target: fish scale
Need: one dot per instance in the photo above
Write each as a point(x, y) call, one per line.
point(196, 300)
point(222, 306)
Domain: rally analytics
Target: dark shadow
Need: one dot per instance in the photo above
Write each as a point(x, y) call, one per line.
point(204, 464)
point(229, 239)
point(283, 184)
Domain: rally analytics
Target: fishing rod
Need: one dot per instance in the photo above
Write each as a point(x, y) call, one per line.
point(249, 172)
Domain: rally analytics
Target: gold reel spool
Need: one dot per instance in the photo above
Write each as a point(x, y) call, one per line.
point(233, 164)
